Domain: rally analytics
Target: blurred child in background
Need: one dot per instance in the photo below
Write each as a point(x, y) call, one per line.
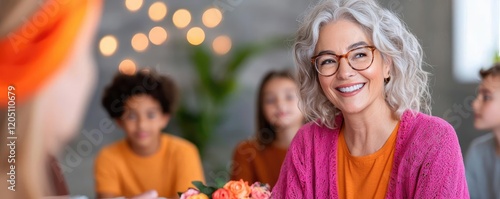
point(147, 159)
point(482, 162)
point(278, 119)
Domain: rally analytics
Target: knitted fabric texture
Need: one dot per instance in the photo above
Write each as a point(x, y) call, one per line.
point(427, 162)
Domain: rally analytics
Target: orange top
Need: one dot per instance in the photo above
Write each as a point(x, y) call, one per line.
point(254, 162)
point(38, 48)
point(365, 176)
point(119, 171)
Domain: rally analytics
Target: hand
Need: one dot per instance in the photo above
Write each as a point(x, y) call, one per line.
point(152, 194)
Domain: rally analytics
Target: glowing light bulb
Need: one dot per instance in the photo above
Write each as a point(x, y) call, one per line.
point(212, 17)
point(195, 36)
point(181, 18)
point(108, 45)
point(221, 45)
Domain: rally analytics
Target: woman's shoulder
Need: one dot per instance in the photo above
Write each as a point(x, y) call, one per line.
point(425, 120)
point(314, 134)
point(424, 130)
point(427, 124)
point(315, 127)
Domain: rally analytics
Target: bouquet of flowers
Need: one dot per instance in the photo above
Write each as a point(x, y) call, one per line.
point(231, 190)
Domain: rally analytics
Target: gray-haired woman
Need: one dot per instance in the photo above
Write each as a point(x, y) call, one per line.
point(363, 86)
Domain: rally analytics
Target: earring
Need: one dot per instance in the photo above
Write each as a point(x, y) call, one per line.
point(386, 80)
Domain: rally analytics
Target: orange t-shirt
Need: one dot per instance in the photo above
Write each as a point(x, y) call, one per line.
point(254, 162)
point(119, 171)
point(365, 176)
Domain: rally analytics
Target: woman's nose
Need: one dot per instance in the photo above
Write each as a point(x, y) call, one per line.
point(345, 71)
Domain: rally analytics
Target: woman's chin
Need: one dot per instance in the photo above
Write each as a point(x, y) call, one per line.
point(351, 110)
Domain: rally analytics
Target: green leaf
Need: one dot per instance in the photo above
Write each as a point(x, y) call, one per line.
point(220, 182)
point(207, 190)
point(241, 54)
point(199, 185)
point(203, 62)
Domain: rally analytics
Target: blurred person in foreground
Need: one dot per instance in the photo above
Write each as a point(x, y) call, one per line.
point(482, 161)
point(46, 62)
point(362, 85)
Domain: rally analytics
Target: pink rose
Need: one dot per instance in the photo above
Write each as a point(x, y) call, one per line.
point(260, 191)
point(223, 194)
point(240, 189)
point(189, 192)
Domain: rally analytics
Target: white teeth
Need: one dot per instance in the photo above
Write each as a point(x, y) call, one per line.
point(350, 88)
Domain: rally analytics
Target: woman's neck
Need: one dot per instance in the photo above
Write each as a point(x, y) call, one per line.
point(366, 132)
point(284, 136)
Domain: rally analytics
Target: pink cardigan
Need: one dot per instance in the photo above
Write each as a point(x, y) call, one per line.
point(427, 162)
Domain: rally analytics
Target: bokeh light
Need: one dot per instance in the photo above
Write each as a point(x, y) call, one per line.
point(221, 45)
point(133, 5)
point(212, 17)
point(195, 36)
point(157, 11)
point(127, 67)
point(181, 18)
point(108, 45)
point(157, 35)
point(140, 42)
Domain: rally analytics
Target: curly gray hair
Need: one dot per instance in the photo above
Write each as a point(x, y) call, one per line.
point(408, 88)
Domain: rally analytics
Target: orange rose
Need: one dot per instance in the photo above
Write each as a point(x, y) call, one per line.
point(198, 196)
point(223, 194)
point(240, 189)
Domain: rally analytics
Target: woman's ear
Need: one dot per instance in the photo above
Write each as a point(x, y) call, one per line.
point(387, 66)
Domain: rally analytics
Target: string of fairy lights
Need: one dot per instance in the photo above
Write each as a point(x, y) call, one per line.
point(158, 35)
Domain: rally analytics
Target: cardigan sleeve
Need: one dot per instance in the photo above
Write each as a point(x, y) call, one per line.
point(442, 173)
point(291, 179)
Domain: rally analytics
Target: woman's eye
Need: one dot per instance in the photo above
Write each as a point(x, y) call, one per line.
point(328, 61)
point(360, 55)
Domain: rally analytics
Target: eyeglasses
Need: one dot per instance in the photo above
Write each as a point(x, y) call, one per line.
point(327, 64)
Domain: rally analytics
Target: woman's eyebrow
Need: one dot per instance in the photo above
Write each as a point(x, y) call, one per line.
point(354, 45)
point(357, 44)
